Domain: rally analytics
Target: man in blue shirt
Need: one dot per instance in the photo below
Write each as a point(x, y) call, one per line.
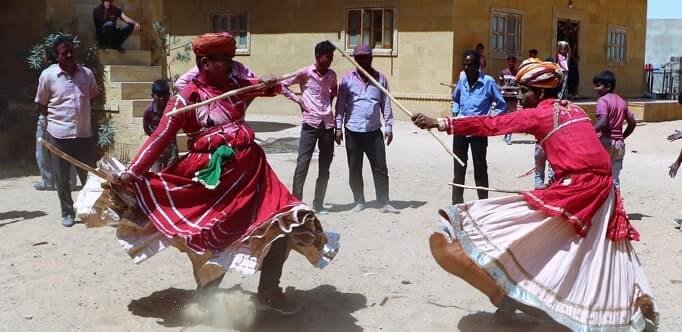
point(475, 94)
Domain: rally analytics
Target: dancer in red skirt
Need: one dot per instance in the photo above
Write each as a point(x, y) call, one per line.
point(221, 203)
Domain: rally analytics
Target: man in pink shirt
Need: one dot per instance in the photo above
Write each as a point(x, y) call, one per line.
point(612, 110)
point(318, 88)
point(64, 95)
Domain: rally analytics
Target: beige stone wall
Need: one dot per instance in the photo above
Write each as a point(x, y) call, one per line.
point(19, 32)
point(283, 36)
point(431, 38)
point(472, 26)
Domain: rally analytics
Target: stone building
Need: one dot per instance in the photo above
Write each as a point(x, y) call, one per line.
point(417, 43)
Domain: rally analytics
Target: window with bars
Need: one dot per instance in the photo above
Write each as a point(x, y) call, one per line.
point(236, 24)
point(374, 27)
point(616, 46)
point(505, 34)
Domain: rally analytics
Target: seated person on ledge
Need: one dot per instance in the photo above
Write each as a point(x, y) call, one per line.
point(108, 35)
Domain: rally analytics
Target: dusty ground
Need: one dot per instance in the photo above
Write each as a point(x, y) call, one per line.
point(54, 278)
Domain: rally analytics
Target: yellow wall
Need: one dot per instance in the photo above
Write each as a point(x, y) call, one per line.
point(432, 34)
point(19, 33)
point(284, 33)
point(538, 31)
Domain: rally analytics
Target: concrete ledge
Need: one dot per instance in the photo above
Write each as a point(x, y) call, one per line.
point(647, 111)
point(122, 73)
point(118, 91)
point(130, 57)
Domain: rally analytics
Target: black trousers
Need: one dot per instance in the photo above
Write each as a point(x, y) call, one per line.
point(479, 149)
point(84, 150)
point(113, 37)
point(371, 144)
point(324, 138)
point(271, 270)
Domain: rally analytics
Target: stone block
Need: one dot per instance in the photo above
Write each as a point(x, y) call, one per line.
point(120, 73)
point(129, 57)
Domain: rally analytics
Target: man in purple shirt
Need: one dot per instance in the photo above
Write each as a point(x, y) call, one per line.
point(318, 88)
point(358, 110)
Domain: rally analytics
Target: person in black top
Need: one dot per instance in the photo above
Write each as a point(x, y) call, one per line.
point(108, 35)
point(151, 119)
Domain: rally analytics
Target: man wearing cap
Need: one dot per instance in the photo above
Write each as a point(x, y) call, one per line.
point(359, 107)
point(563, 251)
point(221, 203)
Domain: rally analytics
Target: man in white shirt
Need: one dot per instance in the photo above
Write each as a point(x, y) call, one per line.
point(64, 95)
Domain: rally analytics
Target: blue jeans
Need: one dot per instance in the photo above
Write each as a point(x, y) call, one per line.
point(540, 166)
point(44, 158)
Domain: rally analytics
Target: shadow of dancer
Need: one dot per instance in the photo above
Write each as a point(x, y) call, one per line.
point(399, 205)
point(17, 216)
point(324, 309)
point(485, 322)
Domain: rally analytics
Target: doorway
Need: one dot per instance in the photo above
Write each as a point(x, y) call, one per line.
point(569, 31)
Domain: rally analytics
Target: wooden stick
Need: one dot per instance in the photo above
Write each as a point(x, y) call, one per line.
point(72, 160)
point(400, 105)
point(227, 95)
point(449, 85)
point(485, 188)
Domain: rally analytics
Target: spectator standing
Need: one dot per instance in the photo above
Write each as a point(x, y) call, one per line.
point(358, 111)
point(64, 96)
point(474, 95)
point(318, 89)
point(151, 119)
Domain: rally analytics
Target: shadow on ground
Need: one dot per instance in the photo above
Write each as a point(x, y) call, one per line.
point(637, 216)
point(527, 141)
point(324, 309)
point(267, 126)
point(17, 168)
point(400, 205)
point(17, 216)
point(280, 145)
point(485, 322)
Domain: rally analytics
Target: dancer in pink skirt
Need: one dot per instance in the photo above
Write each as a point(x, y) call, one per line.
point(563, 251)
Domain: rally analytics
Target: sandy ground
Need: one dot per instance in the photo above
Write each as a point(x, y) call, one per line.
point(77, 279)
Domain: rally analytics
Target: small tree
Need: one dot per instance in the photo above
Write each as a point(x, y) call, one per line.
point(164, 45)
point(41, 55)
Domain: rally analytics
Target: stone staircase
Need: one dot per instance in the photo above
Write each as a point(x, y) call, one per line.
point(127, 79)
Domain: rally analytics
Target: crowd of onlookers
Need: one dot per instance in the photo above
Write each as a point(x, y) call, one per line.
point(66, 90)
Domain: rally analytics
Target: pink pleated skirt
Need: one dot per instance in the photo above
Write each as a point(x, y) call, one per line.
point(586, 284)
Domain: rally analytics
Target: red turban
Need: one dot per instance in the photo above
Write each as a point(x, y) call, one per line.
point(214, 44)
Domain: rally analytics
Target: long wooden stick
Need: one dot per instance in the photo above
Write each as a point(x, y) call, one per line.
point(74, 161)
point(228, 94)
point(449, 85)
point(463, 186)
point(400, 105)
